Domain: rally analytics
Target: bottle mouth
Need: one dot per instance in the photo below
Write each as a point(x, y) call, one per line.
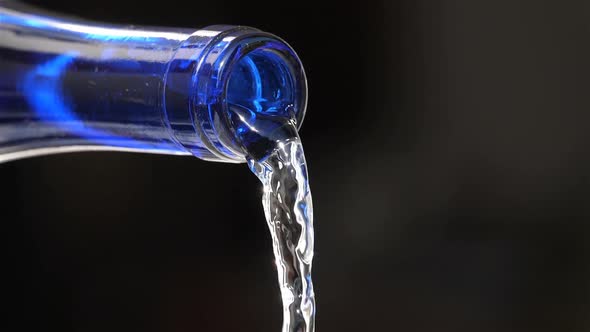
point(255, 82)
point(264, 95)
point(264, 79)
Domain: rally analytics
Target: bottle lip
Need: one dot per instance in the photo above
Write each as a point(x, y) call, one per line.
point(212, 76)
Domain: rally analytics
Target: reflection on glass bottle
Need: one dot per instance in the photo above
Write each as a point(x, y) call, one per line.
point(70, 85)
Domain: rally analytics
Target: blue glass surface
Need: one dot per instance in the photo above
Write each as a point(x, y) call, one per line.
point(67, 84)
point(82, 85)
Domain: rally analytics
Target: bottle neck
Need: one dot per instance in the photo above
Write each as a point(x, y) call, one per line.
point(238, 70)
point(73, 86)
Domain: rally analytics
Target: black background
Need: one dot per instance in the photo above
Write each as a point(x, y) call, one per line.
point(448, 147)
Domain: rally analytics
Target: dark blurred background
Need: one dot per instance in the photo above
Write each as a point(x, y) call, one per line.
point(448, 147)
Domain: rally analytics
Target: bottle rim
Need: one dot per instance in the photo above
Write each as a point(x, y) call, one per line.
point(219, 63)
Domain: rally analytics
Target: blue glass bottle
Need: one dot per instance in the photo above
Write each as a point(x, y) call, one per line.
point(68, 85)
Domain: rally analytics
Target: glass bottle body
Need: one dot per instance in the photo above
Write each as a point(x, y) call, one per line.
point(73, 85)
